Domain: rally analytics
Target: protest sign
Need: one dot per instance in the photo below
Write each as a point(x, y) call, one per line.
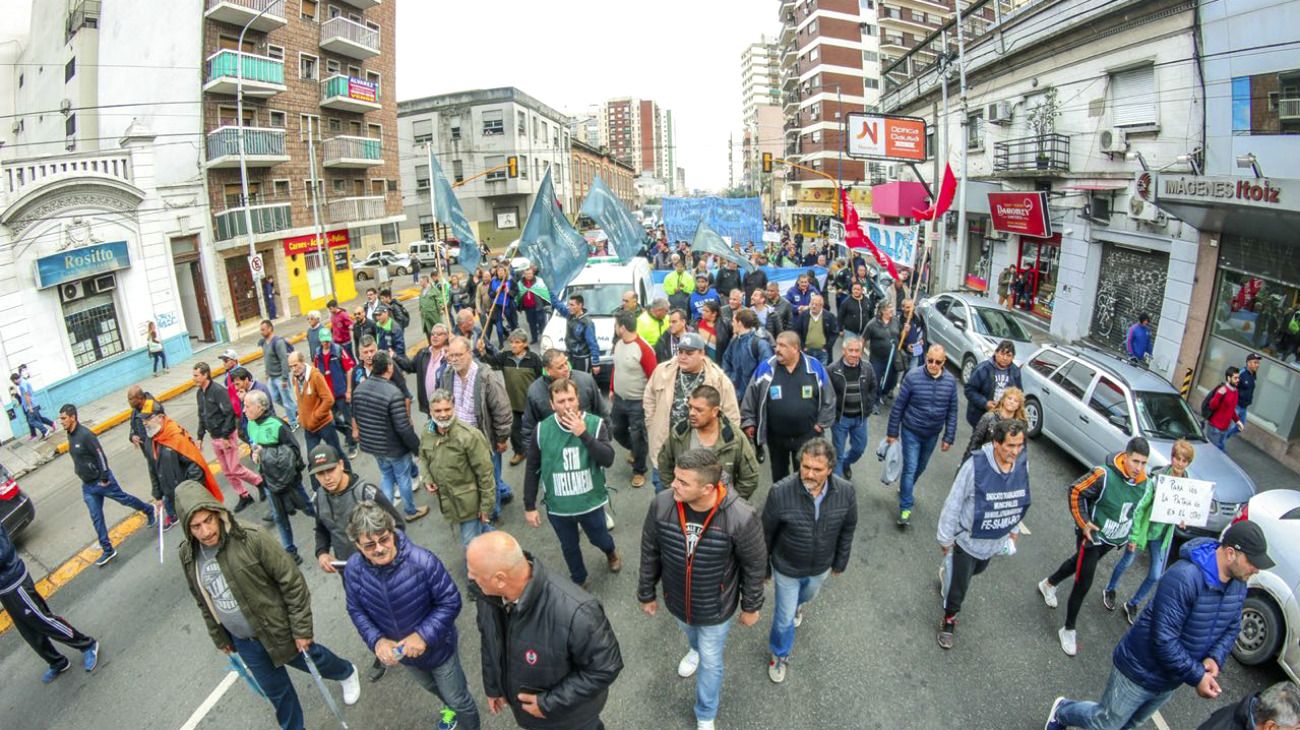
point(1181, 500)
point(740, 219)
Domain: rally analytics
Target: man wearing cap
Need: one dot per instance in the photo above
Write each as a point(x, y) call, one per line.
point(334, 363)
point(388, 334)
point(1183, 635)
point(703, 293)
point(1245, 393)
point(230, 361)
point(667, 395)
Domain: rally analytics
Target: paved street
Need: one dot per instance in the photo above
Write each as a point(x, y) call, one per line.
point(865, 657)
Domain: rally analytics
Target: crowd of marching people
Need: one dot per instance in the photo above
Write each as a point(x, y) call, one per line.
point(725, 371)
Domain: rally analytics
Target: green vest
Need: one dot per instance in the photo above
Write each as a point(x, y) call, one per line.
point(265, 433)
point(571, 484)
point(1114, 510)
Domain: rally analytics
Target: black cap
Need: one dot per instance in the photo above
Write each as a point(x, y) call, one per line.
point(1254, 356)
point(1248, 538)
point(322, 458)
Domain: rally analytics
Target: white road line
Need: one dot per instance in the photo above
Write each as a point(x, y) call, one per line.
point(212, 699)
point(1159, 721)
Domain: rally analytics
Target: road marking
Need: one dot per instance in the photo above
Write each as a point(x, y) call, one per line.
point(1159, 721)
point(211, 701)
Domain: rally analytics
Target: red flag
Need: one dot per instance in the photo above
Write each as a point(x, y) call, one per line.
point(947, 191)
point(855, 238)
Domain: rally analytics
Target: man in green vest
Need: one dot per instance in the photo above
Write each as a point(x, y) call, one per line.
point(567, 459)
point(1102, 503)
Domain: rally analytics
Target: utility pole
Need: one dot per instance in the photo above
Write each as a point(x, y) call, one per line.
point(322, 245)
point(965, 121)
point(941, 143)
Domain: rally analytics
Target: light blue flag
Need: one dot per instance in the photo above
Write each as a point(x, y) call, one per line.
point(602, 207)
point(447, 210)
point(549, 241)
point(708, 241)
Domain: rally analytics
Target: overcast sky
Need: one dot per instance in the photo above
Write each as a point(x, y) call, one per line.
point(569, 54)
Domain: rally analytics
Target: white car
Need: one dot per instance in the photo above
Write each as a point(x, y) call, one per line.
point(601, 284)
point(1270, 621)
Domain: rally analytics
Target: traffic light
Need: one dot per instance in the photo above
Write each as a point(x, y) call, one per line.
point(767, 162)
point(512, 166)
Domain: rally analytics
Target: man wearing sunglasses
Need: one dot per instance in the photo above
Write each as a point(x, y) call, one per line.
point(925, 410)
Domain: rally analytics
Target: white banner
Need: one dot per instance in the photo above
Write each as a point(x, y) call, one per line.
point(1181, 500)
point(897, 242)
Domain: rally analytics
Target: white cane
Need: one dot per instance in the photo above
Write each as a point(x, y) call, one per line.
point(159, 513)
point(320, 684)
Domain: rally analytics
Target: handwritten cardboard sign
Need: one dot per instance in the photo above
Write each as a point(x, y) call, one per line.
point(1180, 499)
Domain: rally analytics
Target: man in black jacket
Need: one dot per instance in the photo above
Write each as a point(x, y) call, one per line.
point(97, 480)
point(706, 545)
point(382, 425)
point(989, 379)
point(548, 650)
point(856, 311)
point(538, 407)
point(1276, 708)
point(854, 381)
point(808, 521)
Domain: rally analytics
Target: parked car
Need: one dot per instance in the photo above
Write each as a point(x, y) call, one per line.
point(970, 328)
point(16, 508)
point(426, 252)
point(1270, 620)
point(1091, 403)
point(397, 264)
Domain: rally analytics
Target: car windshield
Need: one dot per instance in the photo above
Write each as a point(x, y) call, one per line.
point(599, 298)
point(999, 325)
point(1166, 416)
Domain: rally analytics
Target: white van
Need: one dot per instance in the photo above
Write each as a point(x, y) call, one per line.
point(601, 284)
point(426, 253)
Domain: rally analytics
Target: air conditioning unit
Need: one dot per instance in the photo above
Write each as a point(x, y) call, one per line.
point(1142, 210)
point(891, 172)
point(102, 284)
point(72, 291)
point(998, 113)
point(1113, 140)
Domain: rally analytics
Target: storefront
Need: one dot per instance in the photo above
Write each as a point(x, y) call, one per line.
point(1131, 283)
point(315, 278)
point(1024, 214)
point(815, 208)
point(86, 287)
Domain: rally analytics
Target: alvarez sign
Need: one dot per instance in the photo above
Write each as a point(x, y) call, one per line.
point(1023, 213)
point(886, 138)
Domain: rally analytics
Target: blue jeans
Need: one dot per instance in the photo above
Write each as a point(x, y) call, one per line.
point(396, 469)
point(472, 528)
point(282, 393)
point(274, 680)
point(159, 359)
point(536, 322)
point(93, 494)
point(37, 424)
point(1124, 705)
point(818, 353)
point(1233, 430)
point(1216, 437)
point(654, 479)
point(447, 681)
point(1159, 555)
point(916, 454)
point(282, 525)
point(566, 528)
point(503, 489)
point(710, 642)
point(854, 432)
point(791, 593)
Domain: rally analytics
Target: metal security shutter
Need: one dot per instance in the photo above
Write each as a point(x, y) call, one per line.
point(1131, 282)
point(1133, 97)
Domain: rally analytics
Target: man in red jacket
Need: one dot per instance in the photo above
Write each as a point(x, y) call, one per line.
point(341, 327)
point(1223, 409)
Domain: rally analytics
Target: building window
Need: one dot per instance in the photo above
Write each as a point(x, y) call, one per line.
point(426, 227)
point(339, 185)
point(422, 131)
point(421, 177)
point(458, 170)
point(276, 52)
point(975, 131)
point(308, 123)
point(375, 131)
point(1133, 97)
point(374, 78)
point(813, 55)
point(70, 69)
point(388, 233)
point(872, 83)
point(493, 123)
point(523, 167)
point(335, 124)
point(392, 186)
point(70, 125)
point(281, 189)
point(354, 72)
point(307, 66)
point(276, 119)
point(521, 123)
point(307, 188)
point(817, 136)
point(455, 131)
point(870, 56)
point(332, 67)
point(494, 161)
point(93, 331)
point(812, 28)
point(309, 9)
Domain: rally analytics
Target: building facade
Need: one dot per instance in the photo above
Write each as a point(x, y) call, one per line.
point(641, 132)
point(829, 66)
point(592, 162)
point(474, 132)
point(761, 119)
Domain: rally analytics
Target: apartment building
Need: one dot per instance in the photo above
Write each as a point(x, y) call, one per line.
point(641, 132)
point(592, 162)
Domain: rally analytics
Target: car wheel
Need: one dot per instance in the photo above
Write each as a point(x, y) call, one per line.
point(968, 366)
point(1261, 631)
point(1033, 417)
point(362, 276)
point(401, 271)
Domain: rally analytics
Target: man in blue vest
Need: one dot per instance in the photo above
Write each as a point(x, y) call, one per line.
point(981, 517)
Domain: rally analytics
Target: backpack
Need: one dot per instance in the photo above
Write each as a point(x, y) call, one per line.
point(1207, 405)
point(759, 333)
point(400, 315)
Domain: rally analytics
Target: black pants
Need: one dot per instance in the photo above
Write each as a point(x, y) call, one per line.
point(517, 435)
point(964, 567)
point(627, 425)
point(782, 451)
point(38, 625)
point(580, 362)
point(1082, 565)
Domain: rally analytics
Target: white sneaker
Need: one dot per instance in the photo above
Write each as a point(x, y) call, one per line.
point(798, 616)
point(1069, 641)
point(704, 725)
point(1049, 593)
point(351, 687)
point(609, 520)
point(687, 666)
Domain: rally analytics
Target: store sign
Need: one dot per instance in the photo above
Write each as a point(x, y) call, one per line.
point(362, 90)
point(1251, 191)
point(886, 137)
point(1023, 213)
point(80, 263)
point(307, 244)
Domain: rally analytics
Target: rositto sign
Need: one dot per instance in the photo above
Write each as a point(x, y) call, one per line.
point(882, 137)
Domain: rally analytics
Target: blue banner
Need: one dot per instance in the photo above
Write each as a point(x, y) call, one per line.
point(79, 263)
point(624, 232)
point(740, 219)
point(707, 241)
point(446, 209)
point(552, 243)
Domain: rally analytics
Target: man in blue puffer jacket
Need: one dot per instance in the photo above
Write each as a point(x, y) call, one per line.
point(1182, 637)
point(404, 604)
point(926, 408)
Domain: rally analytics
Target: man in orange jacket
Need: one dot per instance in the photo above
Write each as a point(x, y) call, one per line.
point(315, 406)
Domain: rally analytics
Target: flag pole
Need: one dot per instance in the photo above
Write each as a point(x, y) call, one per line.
point(439, 246)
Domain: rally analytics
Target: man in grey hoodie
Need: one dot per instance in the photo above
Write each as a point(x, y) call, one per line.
point(981, 517)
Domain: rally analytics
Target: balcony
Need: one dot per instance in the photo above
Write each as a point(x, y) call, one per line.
point(353, 210)
point(1288, 110)
point(349, 94)
point(361, 4)
point(263, 76)
point(1041, 156)
point(241, 12)
point(893, 43)
point(352, 153)
point(262, 147)
point(905, 19)
point(269, 215)
point(347, 37)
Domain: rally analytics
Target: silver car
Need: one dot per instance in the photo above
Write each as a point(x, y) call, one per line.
point(970, 328)
point(397, 264)
point(1091, 403)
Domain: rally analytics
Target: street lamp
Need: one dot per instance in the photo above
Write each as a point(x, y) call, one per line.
point(1248, 160)
point(243, 162)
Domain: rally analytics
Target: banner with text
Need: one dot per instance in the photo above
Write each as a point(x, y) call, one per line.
point(1023, 213)
point(1180, 500)
point(899, 243)
point(740, 219)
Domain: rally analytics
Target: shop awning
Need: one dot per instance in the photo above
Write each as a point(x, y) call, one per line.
point(898, 199)
point(1266, 208)
point(1093, 186)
